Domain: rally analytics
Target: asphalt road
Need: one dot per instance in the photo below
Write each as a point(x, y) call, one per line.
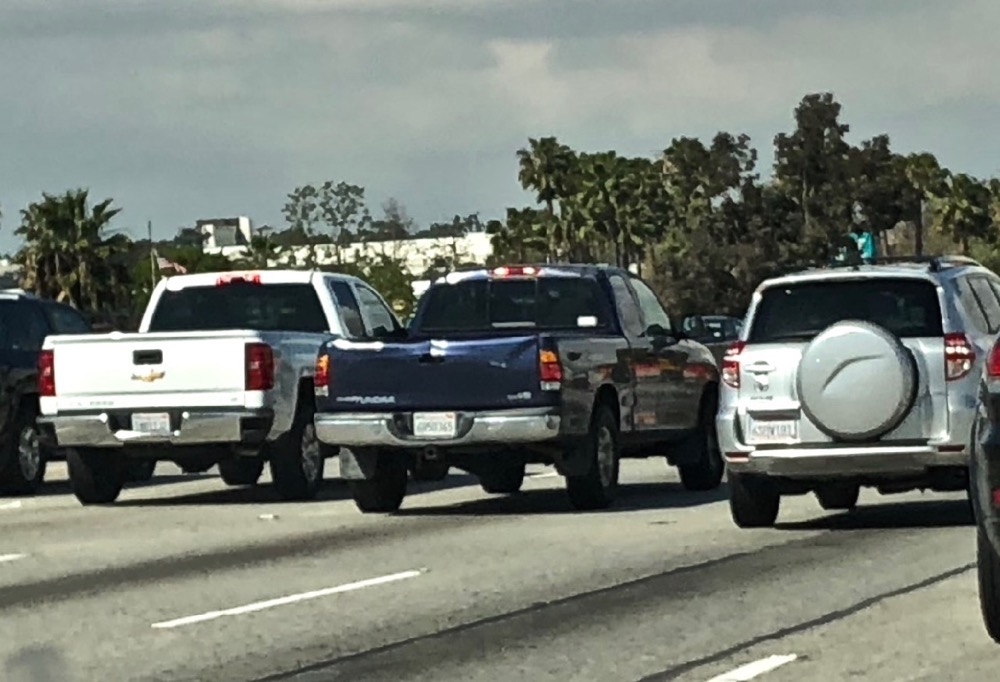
point(186, 579)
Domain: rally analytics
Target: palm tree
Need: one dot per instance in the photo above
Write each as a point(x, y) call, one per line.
point(67, 255)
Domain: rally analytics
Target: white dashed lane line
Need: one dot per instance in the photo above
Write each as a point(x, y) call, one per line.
point(753, 670)
point(7, 558)
point(290, 599)
point(4, 506)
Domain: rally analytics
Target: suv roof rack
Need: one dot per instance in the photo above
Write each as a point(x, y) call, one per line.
point(934, 263)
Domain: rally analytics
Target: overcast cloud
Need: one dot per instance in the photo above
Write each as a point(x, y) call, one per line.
point(199, 108)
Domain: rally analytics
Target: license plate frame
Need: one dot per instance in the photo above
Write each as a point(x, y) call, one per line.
point(435, 425)
point(774, 431)
point(152, 423)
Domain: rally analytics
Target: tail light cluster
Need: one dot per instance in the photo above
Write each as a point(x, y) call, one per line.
point(259, 367)
point(993, 361)
point(731, 364)
point(549, 370)
point(46, 374)
point(321, 375)
point(959, 356)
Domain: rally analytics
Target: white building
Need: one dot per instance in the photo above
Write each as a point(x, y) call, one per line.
point(415, 255)
point(225, 232)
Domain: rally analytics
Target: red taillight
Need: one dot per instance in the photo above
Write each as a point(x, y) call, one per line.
point(259, 367)
point(731, 364)
point(958, 356)
point(321, 377)
point(46, 374)
point(993, 361)
point(515, 271)
point(549, 370)
point(232, 278)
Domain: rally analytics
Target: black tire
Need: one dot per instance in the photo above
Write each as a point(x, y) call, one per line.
point(988, 568)
point(386, 490)
point(96, 475)
point(753, 501)
point(597, 488)
point(139, 470)
point(838, 497)
point(25, 457)
point(707, 471)
point(240, 471)
point(298, 458)
point(503, 479)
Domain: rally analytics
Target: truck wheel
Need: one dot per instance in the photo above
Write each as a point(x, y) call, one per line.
point(96, 475)
point(241, 470)
point(705, 473)
point(25, 457)
point(840, 496)
point(298, 459)
point(597, 488)
point(139, 470)
point(385, 491)
point(988, 568)
point(503, 480)
point(753, 502)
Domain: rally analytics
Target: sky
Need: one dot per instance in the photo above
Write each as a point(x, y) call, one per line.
point(195, 109)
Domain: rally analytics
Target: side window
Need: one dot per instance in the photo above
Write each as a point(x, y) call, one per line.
point(971, 304)
point(628, 309)
point(988, 300)
point(66, 320)
point(380, 319)
point(23, 326)
point(652, 309)
point(350, 312)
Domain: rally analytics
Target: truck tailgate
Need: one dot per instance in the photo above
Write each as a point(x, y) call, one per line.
point(170, 369)
point(477, 374)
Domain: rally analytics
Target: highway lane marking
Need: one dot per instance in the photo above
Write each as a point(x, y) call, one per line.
point(751, 670)
point(6, 558)
point(290, 599)
point(16, 504)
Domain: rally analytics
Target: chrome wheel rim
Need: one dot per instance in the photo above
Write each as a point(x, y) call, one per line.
point(29, 453)
point(311, 455)
point(606, 456)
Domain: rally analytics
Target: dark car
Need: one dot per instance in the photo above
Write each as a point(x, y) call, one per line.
point(25, 321)
point(984, 488)
point(572, 365)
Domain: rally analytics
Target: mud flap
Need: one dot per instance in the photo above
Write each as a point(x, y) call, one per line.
point(358, 465)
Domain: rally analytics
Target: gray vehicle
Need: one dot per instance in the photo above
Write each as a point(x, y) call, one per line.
point(855, 375)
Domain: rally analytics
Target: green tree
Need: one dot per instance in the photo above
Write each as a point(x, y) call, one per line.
point(70, 254)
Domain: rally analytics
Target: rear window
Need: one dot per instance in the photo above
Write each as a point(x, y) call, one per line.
point(541, 303)
point(260, 307)
point(906, 307)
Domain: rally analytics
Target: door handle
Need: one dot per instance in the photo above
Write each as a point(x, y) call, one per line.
point(760, 368)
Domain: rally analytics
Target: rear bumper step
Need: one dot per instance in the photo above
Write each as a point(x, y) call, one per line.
point(189, 427)
point(390, 429)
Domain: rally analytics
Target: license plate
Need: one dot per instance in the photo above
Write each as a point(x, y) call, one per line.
point(774, 431)
point(157, 423)
point(435, 425)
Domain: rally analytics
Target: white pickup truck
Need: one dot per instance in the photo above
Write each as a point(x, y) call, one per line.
point(220, 372)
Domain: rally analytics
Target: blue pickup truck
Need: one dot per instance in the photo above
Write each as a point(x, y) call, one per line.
point(577, 366)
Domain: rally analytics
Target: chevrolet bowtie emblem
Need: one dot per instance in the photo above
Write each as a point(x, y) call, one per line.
point(148, 378)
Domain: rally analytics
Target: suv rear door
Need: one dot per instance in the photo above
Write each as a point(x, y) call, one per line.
point(789, 315)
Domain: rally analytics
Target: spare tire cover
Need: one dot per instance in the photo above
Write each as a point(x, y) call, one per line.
point(856, 381)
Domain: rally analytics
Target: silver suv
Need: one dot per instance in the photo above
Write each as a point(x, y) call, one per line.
point(855, 375)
